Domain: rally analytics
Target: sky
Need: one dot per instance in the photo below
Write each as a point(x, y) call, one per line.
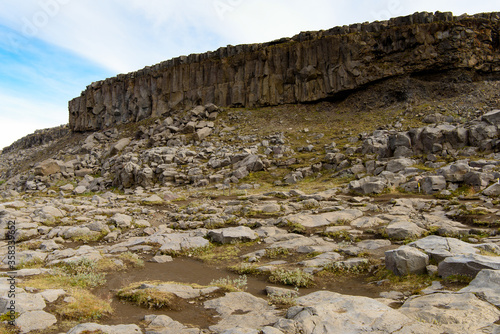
point(50, 50)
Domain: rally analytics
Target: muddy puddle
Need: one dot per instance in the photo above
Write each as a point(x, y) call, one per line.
point(186, 270)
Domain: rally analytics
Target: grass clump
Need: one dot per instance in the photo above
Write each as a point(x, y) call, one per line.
point(131, 259)
point(150, 298)
point(245, 269)
point(231, 285)
point(273, 253)
point(84, 307)
point(83, 273)
point(284, 299)
point(412, 282)
point(295, 228)
point(341, 268)
point(296, 277)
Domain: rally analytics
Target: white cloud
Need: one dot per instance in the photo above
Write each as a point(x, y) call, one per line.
point(20, 117)
point(129, 34)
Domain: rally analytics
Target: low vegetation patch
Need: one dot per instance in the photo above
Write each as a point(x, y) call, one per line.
point(339, 268)
point(245, 268)
point(284, 299)
point(149, 298)
point(296, 277)
point(273, 253)
point(412, 283)
point(131, 259)
point(231, 285)
point(82, 274)
point(84, 307)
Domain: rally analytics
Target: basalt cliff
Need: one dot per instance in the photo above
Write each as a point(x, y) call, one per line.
point(308, 67)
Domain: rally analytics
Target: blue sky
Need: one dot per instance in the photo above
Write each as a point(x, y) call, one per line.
point(50, 50)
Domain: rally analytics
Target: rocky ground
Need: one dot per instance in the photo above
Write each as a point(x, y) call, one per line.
point(375, 213)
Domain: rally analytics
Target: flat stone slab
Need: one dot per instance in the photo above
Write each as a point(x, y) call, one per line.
point(232, 235)
point(335, 217)
point(93, 327)
point(440, 248)
point(241, 309)
point(468, 265)
point(180, 290)
point(457, 312)
point(35, 320)
point(25, 302)
point(486, 285)
point(330, 312)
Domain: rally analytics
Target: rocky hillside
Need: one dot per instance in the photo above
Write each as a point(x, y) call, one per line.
point(374, 211)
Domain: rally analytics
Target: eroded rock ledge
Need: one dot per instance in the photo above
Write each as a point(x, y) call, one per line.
point(308, 67)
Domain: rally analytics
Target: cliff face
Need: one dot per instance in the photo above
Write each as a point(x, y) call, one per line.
point(309, 67)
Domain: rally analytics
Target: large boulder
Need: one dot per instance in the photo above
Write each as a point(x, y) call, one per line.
point(25, 302)
point(492, 117)
point(467, 265)
point(368, 185)
point(251, 163)
point(241, 309)
point(397, 165)
point(406, 260)
point(119, 146)
point(454, 172)
point(486, 285)
point(433, 184)
point(323, 219)
point(232, 235)
point(93, 327)
point(455, 313)
point(493, 190)
point(440, 248)
point(47, 167)
point(325, 312)
point(35, 321)
point(162, 324)
point(402, 229)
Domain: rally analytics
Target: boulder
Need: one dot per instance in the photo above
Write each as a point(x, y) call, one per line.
point(232, 235)
point(241, 309)
point(440, 248)
point(201, 134)
point(493, 190)
point(433, 184)
point(252, 163)
point(121, 220)
point(467, 265)
point(180, 290)
point(492, 117)
point(401, 230)
point(119, 146)
point(486, 285)
point(323, 219)
point(162, 324)
point(25, 302)
point(454, 172)
point(397, 165)
point(368, 185)
point(80, 190)
point(35, 321)
point(93, 327)
point(406, 260)
point(329, 312)
point(47, 167)
point(456, 313)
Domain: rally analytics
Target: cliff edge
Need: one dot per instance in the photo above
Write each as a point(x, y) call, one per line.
point(308, 67)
